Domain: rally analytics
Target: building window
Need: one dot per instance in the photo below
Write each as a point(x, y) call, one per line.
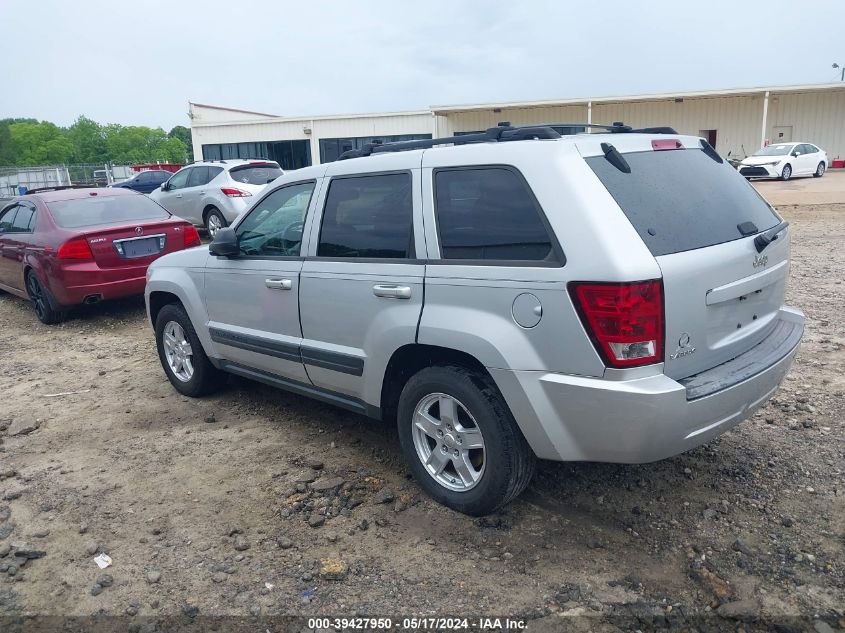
point(289, 154)
point(332, 148)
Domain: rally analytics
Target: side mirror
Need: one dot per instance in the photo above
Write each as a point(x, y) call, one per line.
point(225, 243)
point(164, 186)
point(796, 154)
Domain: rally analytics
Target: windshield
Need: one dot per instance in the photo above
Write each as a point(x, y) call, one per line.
point(682, 200)
point(774, 150)
point(101, 210)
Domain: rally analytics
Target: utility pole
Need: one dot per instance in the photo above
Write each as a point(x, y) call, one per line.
point(842, 76)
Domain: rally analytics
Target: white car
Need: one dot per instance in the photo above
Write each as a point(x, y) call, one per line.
point(785, 160)
point(214, 193)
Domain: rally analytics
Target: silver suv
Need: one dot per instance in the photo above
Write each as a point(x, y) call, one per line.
point(214, 193)
point(519, 295)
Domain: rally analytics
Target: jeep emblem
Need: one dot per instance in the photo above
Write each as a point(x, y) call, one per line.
point(760, 260)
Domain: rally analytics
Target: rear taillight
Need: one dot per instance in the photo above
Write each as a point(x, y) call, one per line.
point(235, 193)
point(192, 237)
point(75, 249)
point(625, 321)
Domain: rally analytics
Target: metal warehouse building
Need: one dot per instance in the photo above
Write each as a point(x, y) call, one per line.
point(737, 122)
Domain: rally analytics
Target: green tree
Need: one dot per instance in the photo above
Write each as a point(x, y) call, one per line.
point(89, 141)
point(184, 135)
point(40, 144)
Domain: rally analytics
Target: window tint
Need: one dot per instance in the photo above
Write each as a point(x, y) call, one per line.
point(199, 176)
point(23, 219)
point(6, 219)
point(105, 210)
point(812, 149)
point(367, 216)
point(144, 177)
point(180, 179)
point(213, 172)
point(682, 200)
point(255, 173)
point(274, 226)
point(489, 213)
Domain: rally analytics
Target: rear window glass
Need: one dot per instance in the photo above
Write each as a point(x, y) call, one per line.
point(99, 210)
point(255, 174)
point(681, 200)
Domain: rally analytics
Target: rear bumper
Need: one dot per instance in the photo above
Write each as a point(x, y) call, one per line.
point(572, 418)
point(78, 281)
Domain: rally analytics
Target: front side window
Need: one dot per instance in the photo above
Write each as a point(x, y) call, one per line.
point(368, 216)
point(489, 214)
point(180, 179)
point(273, 227)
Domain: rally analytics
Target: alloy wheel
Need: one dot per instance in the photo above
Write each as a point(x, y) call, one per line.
point(177, 351)
point(448, 442)
point(214, 224)
point(820, 170)
point(37, 295)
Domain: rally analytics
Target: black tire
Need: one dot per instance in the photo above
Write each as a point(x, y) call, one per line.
point(786, 172)
point(46, 309)
point(206, 377)
point(214, 211)
point(820, 170)
point(508, 459)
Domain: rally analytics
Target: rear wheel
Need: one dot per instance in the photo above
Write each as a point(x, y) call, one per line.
point(45, 305)
point(819, 170)
point(460, 440)
point(182, 356)
point(786, 174)
point(214, 221)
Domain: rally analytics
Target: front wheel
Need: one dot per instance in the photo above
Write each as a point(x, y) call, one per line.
point(45, 305)
point(461, 441)
point(786, 174)
point(214, 221)
point(182, 356)
point(819, 170)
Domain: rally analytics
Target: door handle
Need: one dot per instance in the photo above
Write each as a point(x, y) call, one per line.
point(393, 292)
point(178, 195)
point(278, 284)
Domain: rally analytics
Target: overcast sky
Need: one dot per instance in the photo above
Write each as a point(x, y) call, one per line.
point(141, 62)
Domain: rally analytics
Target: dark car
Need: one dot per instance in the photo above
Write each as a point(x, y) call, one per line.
point(65, 247)
point(145, 181)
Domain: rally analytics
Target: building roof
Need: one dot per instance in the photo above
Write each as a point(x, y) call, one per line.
point(690, 94)
point(215, 107)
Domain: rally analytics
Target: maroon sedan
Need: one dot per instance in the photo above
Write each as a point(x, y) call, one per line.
point(64, 247)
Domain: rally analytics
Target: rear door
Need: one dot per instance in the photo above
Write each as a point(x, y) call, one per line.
point(362, 285)
point(8, 250)
point(808, 159)
point(194, 192)
point(17, 240)
point(699, 217)
point(173, 199)
point(253, 299)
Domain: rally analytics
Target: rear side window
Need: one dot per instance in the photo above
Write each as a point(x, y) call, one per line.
point(213, 172)
point(681, 200)
point(489, 214)
point(368, 216)
point(199, 176)
point(7, 217)
point(104, 210)
point(255, 173)
point(23, 219)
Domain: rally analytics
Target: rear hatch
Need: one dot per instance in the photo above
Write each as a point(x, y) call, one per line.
point(121, 230)
point(699, 219)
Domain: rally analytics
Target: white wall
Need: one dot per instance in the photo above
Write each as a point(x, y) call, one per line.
point(815, 117)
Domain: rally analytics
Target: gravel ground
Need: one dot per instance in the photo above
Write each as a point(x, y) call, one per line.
point(255, 503)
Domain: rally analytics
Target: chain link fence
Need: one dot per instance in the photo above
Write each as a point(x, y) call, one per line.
point(92, 175)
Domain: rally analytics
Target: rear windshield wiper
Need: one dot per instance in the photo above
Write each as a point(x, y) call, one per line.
point(615, 158)
point(767, 237)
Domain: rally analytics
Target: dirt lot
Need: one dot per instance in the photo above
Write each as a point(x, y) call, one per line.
point(228, 505)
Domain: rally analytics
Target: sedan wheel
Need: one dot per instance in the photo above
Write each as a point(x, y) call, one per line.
point(819, 170)
point(214, 222)
point(178, 351)
point(43, 301)
point(786, 174)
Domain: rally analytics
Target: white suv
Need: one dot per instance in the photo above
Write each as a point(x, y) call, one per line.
point(214, 193)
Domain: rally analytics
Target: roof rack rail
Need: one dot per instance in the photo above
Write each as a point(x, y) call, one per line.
point(503, 132)
point(61, 188)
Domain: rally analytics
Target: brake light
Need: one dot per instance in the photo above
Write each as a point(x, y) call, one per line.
point(235, 193)
point(625, 321)
point(663, 144)
point(191, 235)
point(75, 249)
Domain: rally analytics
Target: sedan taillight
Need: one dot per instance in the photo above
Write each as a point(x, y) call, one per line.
point(192, 236)
point(624, 320)
point(77, 249)
point(232, 192)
